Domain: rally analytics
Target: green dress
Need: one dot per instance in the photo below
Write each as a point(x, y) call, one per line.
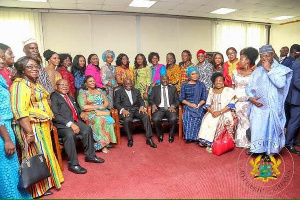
point(102, 126)
point(143, 79)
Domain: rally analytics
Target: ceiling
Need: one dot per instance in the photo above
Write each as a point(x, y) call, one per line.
point(247, 10)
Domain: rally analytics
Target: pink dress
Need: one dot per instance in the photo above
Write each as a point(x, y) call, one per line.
point(95, 72)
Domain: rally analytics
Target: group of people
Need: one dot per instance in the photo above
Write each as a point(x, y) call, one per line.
point(76, 98)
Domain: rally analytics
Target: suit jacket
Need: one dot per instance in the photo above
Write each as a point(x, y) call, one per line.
point(62, 111)
point(155, 96)
point(122, 99)
point(294, 91)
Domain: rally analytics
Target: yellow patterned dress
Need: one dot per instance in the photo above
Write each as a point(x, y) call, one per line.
point(30, 100)
point(174, 74)
point(184, 77)
point(125, 73)
point(143, 79)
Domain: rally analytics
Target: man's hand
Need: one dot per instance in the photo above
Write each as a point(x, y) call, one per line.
point(255, 102)
point(75, 128)
point(145, 95)
point(9, 148)
point(142, 110)
point(154, 108)
point(266, 65)
point(171, 109)
point(125, 113)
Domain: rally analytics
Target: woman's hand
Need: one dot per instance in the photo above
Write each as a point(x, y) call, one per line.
point(193, 105)
point(30, 138)
point(9, 148)
point(216, 114)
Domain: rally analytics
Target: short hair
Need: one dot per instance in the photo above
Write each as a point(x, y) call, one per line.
point(293, 48)
point(62, 57)
point(188, 53)
point(251, 53)
point(231, 48)
point(173, 55)
point(213, 59)
point(151, 55)
point(75, 65)
point(215, 76)
point(119, 59)
point(144, 60)
point(20, 65)
point(4, 47)
point(85, 80)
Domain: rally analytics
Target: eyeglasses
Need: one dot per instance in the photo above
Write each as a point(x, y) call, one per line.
point(63, 85)
point(30, 67)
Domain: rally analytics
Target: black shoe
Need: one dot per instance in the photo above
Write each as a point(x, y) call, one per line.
point(201, 144)
point(130, 143)
point(94, 160)
point(77, 169)
point(293, 150)
point(151, 143)
point(160, 138)
point(171, 139)
point(297, 144)
point(110, 145)
point(189, 141)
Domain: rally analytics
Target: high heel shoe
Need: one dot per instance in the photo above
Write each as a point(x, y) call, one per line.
point(151, 143)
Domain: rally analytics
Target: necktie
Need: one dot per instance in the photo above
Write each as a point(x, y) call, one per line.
point(72, 108)
point(165, 98)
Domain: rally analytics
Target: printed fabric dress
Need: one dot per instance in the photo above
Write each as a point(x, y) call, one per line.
point(174, 74)
point(143, 79)
point(108, 75)
point(205, 72)
point(184, 77)
point(9, 167)
point(241, 108)
point(102, 126)
point(30, 100)
point(126, 73)
point(211, 127)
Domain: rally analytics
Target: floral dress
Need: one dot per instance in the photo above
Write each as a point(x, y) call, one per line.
point(109, 76)
point(102, 126)
point(143, 79)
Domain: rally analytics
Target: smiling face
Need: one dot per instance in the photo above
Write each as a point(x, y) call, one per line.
point(66, 63)
point(54, 60)
point(201, 57)
point(2, 58)
point(31, 70)
point(194, 76)
point(219, 82)
point(244, 62)
point(32, 50)
point(9, 57)
point(154, 60)
point(140, 60)
point(231, 54)
point(170, 60)
point(90, 83)
point(185, 57)
point(218, 59)
point(62, 86)
point(94, 60)
point(164, 80)
point(127, 84)
point(109, 59)
point(81, 62)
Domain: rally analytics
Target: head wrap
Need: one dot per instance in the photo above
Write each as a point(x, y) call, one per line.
point(265, 49)
point(108, 52)
point(190, 70)
point(201, 51)
point(48, 54)
point(29, 41)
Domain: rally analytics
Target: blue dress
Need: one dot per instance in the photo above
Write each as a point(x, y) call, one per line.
point(9, 167)
point(191, 117)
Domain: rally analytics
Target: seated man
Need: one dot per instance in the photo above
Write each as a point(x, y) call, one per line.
point(129, 102)
point(164, 100)
point(67, 119)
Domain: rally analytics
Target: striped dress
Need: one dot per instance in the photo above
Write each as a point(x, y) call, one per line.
point(30, 100)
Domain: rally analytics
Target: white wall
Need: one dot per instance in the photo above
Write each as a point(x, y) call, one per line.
point(89, 33)
point(284, 35)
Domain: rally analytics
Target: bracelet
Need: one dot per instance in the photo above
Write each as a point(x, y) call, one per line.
point(221, 112)
point(31, 135)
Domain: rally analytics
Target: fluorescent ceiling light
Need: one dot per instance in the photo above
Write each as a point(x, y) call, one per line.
point(282, 17)
point(35, 0)
point(223, 11)
point(142, 3)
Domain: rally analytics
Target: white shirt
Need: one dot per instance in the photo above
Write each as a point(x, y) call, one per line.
point(161, 105)
point(281, 59)
point(128, 92)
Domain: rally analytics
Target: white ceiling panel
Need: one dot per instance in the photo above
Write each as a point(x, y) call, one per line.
point(113, 8)
point(117, 2)
point(89, 1)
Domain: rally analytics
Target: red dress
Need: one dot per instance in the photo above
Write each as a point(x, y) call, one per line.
point(69, 77)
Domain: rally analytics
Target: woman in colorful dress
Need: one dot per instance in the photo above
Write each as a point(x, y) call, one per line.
point(173, 71)
point(93, 69)
point(9, 167)
point(53, 61)
point(205, 69)
point(193, 95)
point(108, 75)
point(186, 57)
point(78, 69)
point(123, 70)
point(230, 65)
point(143, 76)
point(218, 61)
point(7, 71)
point(65, 62)
point(219, 104)
point(93, 101)
point(157, 70)
point(240, 80)
point(32, 122)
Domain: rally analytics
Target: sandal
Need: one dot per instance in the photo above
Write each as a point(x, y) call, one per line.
point(208, 149)
point(105, 150)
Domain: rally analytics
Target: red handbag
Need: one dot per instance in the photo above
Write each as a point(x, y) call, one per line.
point(223, 143)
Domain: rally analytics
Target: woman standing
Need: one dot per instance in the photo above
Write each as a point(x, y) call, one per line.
point(220, 102)
point(240, 80)
point(193, 96)
point(9, 167)
point(94, 102)
point(218, 61)
point(143, 76)
point(7, 71)
point(94, 70)
point(33, 123)
point(78, 70)
point(173, 71)
point(53, 61)
point(108, 75)
point(157, 70)
point(230, 65)
point(186, 57)
point(205, 69)
point(123, 70)
point(65, 62)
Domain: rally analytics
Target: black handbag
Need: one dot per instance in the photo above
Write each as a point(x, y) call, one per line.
point(248, 134)
point(32, 170)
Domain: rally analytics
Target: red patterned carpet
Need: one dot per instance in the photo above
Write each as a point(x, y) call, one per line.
point(172, 171)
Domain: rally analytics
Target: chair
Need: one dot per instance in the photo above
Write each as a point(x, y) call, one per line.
point(165, 120)
point(58, 147)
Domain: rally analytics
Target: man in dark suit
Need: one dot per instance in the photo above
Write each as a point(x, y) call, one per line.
point(164, 101)
point(129, 102)
point(293, 107)
point(67, 119)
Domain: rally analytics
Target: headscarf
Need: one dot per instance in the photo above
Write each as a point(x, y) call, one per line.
point(201, 51)
point(108, 52)
point(190, 70)
point(48, 54)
